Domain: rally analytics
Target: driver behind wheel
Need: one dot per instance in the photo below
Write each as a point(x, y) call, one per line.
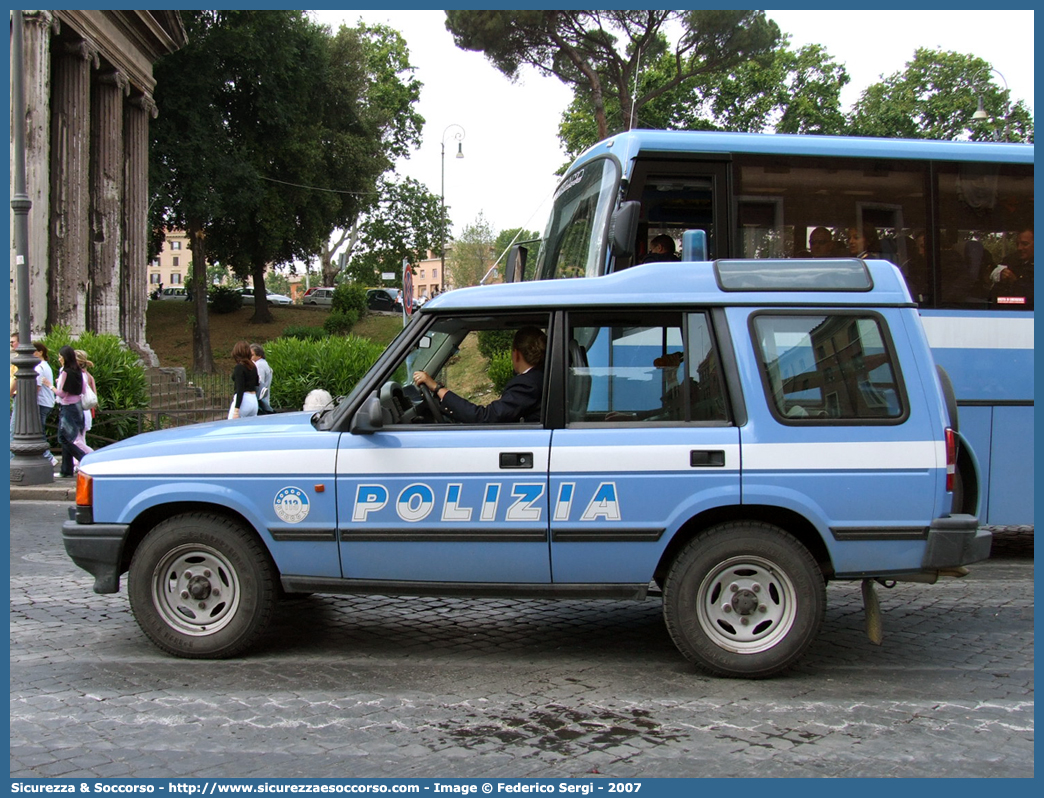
point(520, 400)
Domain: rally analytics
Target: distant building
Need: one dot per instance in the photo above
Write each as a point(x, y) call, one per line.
point(173, 265)
point(89, 98)
point(428, 279)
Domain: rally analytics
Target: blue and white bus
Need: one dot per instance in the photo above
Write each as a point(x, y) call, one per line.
point(955, 217)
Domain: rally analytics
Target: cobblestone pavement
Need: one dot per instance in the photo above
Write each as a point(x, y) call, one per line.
point(407, 687)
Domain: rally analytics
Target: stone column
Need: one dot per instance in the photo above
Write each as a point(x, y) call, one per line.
point(106, 190)
point(70, 205)
point(133, 262)
point(39, 26)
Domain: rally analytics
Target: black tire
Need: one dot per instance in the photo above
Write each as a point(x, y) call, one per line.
point(201, 586)
point(772, 583)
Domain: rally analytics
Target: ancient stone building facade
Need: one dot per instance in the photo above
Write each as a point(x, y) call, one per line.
point(88, 89)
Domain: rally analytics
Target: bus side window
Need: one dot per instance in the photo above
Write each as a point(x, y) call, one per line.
point(986, 236)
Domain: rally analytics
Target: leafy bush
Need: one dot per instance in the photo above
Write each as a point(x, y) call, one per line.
point(494, 342)
point(500, 370)
point(304, 332)
point(119, 376)
point(349, 298)
point(340, 323)
point(334, 364)
point(224, 299)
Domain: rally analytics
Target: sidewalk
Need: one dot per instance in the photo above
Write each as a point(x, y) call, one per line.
point(63, 489)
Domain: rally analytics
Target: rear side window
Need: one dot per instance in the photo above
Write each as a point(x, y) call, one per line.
point(833, 368)
point(630, 368)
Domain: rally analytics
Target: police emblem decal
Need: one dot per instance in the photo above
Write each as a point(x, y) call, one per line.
point(291, 505)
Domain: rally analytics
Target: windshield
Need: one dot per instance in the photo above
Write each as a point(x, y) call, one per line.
point(574, 241)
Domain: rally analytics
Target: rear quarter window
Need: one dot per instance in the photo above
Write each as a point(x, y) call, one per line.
point(829, 368)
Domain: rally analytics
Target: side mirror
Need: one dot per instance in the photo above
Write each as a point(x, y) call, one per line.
point(515, 271)
point(623, 228)
point(369, 417)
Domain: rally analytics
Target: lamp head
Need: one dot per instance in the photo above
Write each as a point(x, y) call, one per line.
point(980, 112)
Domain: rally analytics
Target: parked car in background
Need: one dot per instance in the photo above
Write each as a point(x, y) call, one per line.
point(386, 299)
point(273, 299)
point(170, 294)
point(319, 296)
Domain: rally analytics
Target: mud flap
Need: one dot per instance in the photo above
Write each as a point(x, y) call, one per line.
point(872, 608)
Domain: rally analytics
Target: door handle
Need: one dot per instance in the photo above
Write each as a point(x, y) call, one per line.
point(707, 458)
point(516, 459)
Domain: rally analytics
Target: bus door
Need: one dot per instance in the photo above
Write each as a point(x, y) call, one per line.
point(678, 195)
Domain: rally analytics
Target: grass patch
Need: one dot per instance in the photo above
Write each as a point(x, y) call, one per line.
point(168, 330)
point(466, 373)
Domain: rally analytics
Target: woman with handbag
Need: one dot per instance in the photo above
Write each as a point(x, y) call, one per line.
point(69, 391)
point(89, 401)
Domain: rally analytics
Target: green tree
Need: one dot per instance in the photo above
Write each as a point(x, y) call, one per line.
point(272, 132)
point(403, 225)
point(217, 273)
point(785, 91)
point(472, 254)
point(935, 98)
point(277, 282)
point(781, 91)
point(600, 52)
point(516, 235)
point(393, 95)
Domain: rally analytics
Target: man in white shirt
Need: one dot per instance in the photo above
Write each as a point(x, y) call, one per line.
point(264, 377)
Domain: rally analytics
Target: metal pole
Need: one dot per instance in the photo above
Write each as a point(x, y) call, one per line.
point(459, 136)
point(442, 211)
point(28, 466)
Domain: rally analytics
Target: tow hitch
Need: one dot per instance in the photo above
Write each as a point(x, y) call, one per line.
point(872, 607)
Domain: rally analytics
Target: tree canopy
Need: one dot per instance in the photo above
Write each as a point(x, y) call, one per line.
point(272, 132)
point(601, 52)
point(403, 225)
point(934, 97)
point(472, 253)
point(782, 90)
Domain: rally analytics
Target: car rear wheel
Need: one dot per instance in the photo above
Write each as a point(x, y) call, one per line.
point(744, 600)
point(201, 586)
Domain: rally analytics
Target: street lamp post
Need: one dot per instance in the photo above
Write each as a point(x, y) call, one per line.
point(458, 136)
point(28, 466)
point(980, 113)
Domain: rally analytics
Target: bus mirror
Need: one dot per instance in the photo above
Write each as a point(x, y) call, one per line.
point(368, 418)
point(515, 271)
point(694, 245)
point(624, 228)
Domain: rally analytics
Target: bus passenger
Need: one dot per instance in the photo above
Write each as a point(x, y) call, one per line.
point(821, 244)
point(1013, 279)
point(863, 243)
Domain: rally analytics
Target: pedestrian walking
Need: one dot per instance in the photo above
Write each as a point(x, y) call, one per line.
point(44, 394)
point(69, 390)
point(264, 380)
point(244, 382)
point(88, 413)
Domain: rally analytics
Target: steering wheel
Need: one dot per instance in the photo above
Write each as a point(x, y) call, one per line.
point(393, 400)
point(431, 403)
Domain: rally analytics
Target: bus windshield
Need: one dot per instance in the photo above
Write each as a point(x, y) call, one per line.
point(574, 241)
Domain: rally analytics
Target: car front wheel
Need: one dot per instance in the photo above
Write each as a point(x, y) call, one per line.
point(201, 586)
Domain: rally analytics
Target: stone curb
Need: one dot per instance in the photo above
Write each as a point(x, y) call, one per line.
point(63, 489)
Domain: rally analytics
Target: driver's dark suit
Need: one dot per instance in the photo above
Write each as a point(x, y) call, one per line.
point(519, 402)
